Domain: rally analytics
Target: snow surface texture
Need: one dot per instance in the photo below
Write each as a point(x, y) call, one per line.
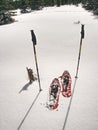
point(22, 107)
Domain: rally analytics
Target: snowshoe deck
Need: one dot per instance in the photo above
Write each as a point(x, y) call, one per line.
point(54, 92)
point(66, 84)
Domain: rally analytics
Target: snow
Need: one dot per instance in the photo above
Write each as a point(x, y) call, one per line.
point(22, 107)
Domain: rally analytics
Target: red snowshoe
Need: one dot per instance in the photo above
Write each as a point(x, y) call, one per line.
point(54, 92)
point(66, 84)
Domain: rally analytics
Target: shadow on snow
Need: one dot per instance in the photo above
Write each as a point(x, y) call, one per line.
point(28, 111)
point(25, 87)
point(69, 106)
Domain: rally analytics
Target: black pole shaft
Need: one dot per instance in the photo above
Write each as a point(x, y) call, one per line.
point(79, 56)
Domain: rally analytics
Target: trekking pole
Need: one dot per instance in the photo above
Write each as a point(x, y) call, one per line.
point(34, 43)
point(82, 37)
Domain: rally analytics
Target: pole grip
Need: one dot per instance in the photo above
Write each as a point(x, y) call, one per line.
point(33, 37)
point(82, 31)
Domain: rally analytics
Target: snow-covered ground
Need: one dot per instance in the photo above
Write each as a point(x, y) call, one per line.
point(22, 107)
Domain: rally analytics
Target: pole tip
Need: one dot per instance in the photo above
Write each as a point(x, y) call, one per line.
point(40, 90)
point(76, 77)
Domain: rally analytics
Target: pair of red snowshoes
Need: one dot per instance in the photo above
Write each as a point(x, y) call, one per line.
point(59, 85)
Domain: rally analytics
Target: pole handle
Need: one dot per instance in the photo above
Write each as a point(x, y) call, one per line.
point(82, 31)
point(33, 37)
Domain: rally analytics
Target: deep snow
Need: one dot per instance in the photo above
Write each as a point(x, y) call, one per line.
point(58, 39)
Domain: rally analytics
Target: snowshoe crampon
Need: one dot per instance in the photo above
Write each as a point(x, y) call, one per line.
point(54, 92)
point(66, 84)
